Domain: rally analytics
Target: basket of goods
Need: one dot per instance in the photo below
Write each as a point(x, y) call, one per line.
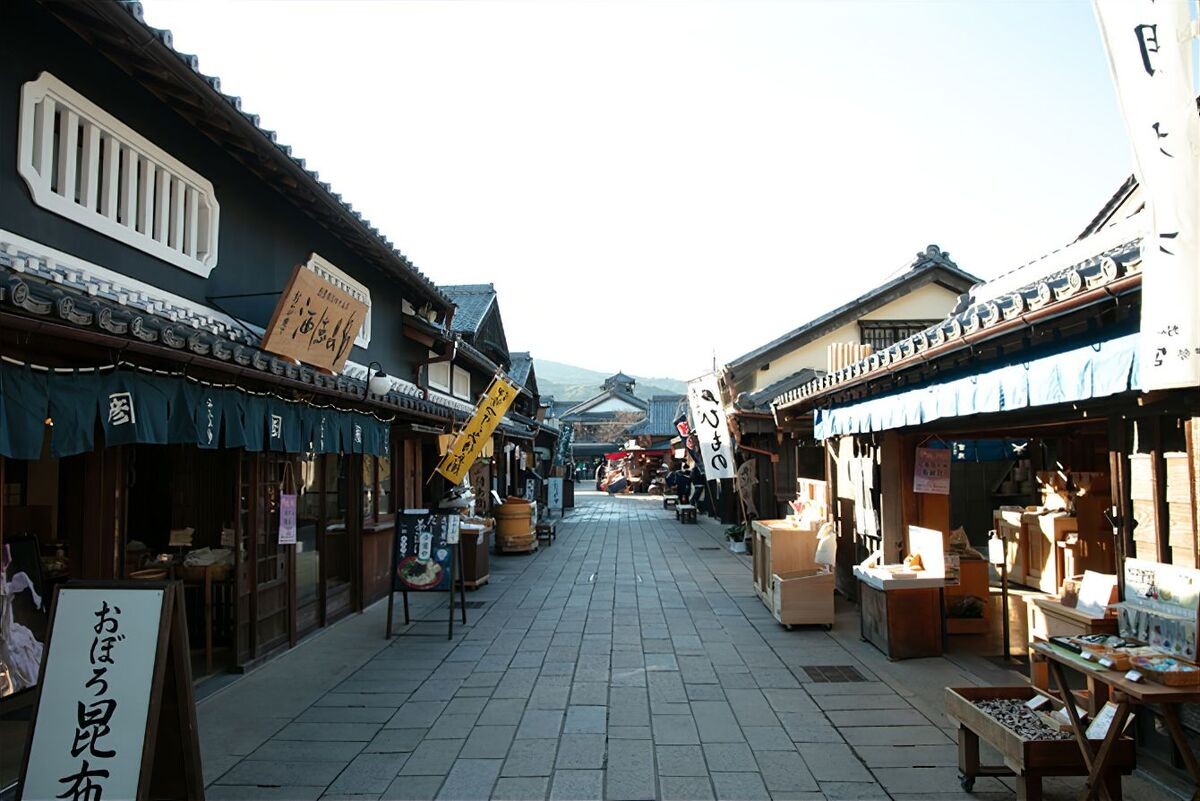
point(1168, 670)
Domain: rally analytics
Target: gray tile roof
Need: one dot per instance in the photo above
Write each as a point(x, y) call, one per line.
point(932, 265)
point(520, 366)
point(760, 401)
point(473, 302)
point(660, 417)
point(136, 42)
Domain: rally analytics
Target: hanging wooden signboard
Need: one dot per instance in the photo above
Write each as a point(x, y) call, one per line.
point(554, 494)
point(314, 322)
point(114, 716)
point(425, 558)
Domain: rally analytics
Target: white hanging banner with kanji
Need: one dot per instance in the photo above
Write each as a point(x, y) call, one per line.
point(711, 428)
point(1149, 48)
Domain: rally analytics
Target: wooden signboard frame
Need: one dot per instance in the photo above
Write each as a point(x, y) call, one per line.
point(308, 282)
point(170, 756)
point(456, 578)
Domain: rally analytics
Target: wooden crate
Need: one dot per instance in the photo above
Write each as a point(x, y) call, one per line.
point(1028, 760)
point(803, 597)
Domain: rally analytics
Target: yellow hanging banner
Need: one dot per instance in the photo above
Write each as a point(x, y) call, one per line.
point(471, 440)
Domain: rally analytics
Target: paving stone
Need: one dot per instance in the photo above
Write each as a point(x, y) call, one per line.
point(362, 699)
point(669, 708)
point(784, 771)
point(860, 791)
point(465, 706)
point(586, 720)
point(809, 727)
point(580, 752)
point(751, 708)
point(705, 692)
point(628, 706)
point(540, 724)
point(632, 771)
point(833, 762)
point(390, 741)
point(532, 788)
point(369, 773)
point(629, 733)
point(681, 760)
point(294, 773)
point(488, 742)
point(329, 732)
point(686, 788)
point(716, 722)
point(416, 715)
point(768, 738)
point(413, 788)
point(231, 792)
point(895, 735)
point(729, 757)
point(452, 727)
point(502, 712)
point(530, 758)
point(577, 785)
point(306, 751)
point(675, 730)
point(847, 718)
point(346, 714)
point(905, 756)
point(738, 786)
point(793, 700)
point(590, 693)
point(470, 780)
point(831, 702)
point(432, 758)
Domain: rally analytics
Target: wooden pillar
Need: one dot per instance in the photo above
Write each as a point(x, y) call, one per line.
point(1158, 478)
point(891, 494)
point(1121, 513)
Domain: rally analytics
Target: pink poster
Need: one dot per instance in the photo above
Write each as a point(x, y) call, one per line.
point(932, 472)
point(287, 519)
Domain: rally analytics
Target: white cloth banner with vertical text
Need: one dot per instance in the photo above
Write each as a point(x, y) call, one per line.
point(712, 428)
point(1149, 48)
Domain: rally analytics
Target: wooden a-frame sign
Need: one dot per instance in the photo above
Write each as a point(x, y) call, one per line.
point(114, 716)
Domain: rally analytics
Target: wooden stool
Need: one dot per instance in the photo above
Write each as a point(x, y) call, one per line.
point(686, 513)
point(670, 502)
point(547, 532)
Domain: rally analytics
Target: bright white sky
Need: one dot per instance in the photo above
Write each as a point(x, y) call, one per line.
point(647, 183)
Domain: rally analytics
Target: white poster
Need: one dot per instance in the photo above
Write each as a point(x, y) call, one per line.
point(530, 489)
point(931, 472)
point(712, 430)
point(91, 719)
point(554, 494)
point(1149, 48)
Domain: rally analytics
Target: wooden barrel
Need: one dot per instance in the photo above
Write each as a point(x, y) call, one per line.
point(514, 526)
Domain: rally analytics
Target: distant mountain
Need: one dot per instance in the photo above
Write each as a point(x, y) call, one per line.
point(566, 382)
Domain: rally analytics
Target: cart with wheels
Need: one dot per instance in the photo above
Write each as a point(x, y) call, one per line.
point(1028, 760)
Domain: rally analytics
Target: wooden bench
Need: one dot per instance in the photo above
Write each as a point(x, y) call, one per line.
point(685, 513)
point(670, 501)
point(547, 532)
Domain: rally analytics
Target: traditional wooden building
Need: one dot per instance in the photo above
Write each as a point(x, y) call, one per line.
point(601, 422)
point(149, 228)
point(889, 313)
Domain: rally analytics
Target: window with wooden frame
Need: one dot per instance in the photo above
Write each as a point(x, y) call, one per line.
point(438, 374)
point(462, 383)
point(376, 488)
point(882, 334)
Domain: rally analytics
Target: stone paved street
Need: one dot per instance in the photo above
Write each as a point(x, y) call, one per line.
point(630, 660)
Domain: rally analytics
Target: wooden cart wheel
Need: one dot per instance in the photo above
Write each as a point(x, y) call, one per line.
point(828, 626)
point(967, 783)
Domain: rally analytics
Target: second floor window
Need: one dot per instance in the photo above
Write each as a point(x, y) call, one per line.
point(882, 334)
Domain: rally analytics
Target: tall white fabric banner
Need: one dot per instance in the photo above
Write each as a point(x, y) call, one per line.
point(712, 429)
point(1149, 48)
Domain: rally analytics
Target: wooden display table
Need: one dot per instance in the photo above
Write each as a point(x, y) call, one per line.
point(1027, 760)
point(780, 548)
point(1048, 617)
point(902, 622)
point(476, 562)
point(685, 513)
point(1126, 694)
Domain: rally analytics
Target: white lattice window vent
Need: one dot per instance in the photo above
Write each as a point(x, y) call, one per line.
point(339, 278)
point(81, 162)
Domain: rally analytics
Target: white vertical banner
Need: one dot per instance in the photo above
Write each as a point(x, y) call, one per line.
point(1149, 48)
point(712, 429)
